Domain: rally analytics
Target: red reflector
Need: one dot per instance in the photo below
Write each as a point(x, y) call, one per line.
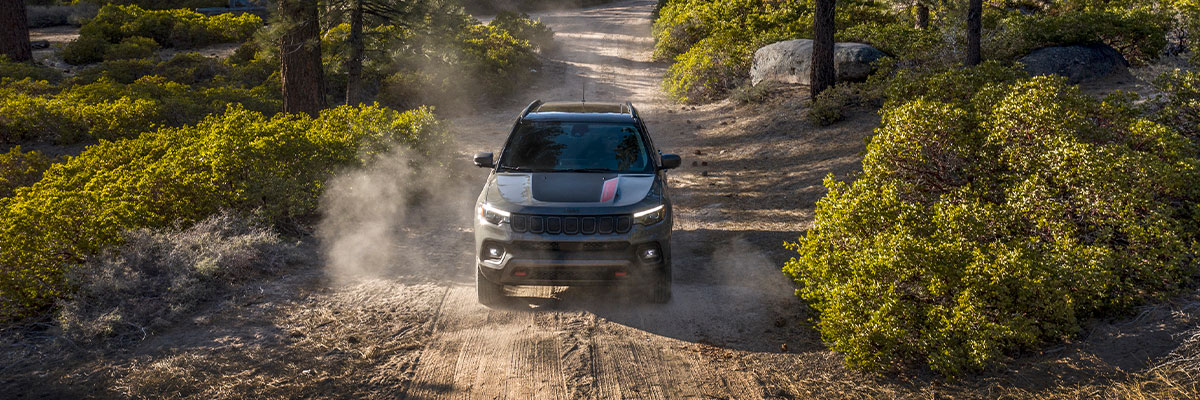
point(619, 273)
point(519, 273)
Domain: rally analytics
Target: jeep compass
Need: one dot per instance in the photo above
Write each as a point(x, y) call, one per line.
point(578, 196)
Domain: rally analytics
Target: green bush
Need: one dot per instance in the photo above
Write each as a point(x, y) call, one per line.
point(123, 71)
point(161, 4)
point(1189, 16)
point(952, 85)
point(84, 50)
point(520, 26)
point(15, 71)
point(25, 118)
point(27, 86)
point(708, 70)
point(905, 43)
point(19, 169)
point(107, 109)
point(273, 168)
point(498, 60)
point(712, 42)
point(130, 48)
point(1138, 34)
point(1179, 106)
point(830, 106)
point(188, 68)
point(753, 94)
point(177, 28)
point(480, 61)
point(997, 221)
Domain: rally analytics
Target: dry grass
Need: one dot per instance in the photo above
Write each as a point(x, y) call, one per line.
point(156, 277)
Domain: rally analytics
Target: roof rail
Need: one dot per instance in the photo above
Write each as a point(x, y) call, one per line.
point(530, 108)
point(632, 111)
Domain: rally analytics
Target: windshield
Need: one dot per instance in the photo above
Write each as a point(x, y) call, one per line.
point(576, 146)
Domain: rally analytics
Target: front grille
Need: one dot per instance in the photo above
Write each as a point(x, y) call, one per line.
point(570, 246)
point(571, 274)
point(572, 225)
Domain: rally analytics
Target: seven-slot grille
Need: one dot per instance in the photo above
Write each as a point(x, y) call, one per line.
point(572, 225)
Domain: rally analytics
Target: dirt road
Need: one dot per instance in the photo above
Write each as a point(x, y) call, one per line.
point(729, 296)
point(412, 328)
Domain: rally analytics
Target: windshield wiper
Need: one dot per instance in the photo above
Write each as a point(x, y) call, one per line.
point(523, 169)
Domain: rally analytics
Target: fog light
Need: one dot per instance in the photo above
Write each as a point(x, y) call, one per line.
point(492, 251)
point(650, 254)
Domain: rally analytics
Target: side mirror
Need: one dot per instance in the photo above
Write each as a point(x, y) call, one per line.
point(670, 161)
point(484, 160)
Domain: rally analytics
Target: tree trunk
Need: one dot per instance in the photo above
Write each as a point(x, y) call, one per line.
point(974, 31)
point(14, 31)
point(922, 16)
point(300, 48)
point(354, 85)
point(823, 74)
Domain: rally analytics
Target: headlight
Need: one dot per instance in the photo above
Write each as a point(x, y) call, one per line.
point(650, 216)
point(493, 215)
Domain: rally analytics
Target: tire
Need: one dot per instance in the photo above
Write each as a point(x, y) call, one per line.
point(659, 289)
point(489, 293)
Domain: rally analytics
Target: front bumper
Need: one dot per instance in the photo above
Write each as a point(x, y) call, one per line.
point(569, 260)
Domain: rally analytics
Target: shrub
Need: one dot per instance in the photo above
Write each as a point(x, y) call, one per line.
point(72, 117)
point(109, 109)
point(84, 50)
point(131, 47)
point(830, 106)
point(19, 169)
point(1189, 16)
point(520, 26)
point(997, 222)
point(16, 71)
point(27, 86)
point(157, 276)
point(909, 45)
point(712, 42)
point(753, 94)
point(949, 85)
point(123, 71)
point(481, 61)
point(498, 60)
point(709, 69)
point(1179, 106)
point(188, 68)
point(179, 28)
point(1138, 34)
point(242, 161)
point(161, 4)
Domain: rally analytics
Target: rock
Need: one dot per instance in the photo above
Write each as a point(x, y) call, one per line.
point(39, 44)
point(790, 61)
point(1076, 63)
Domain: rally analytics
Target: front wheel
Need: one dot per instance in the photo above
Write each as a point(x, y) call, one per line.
point(659, 289)
point(489, 293)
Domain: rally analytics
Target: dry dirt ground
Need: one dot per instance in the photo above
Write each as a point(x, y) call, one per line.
point(750, 180)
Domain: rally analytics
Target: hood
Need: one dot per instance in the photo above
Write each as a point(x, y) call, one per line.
point(573, 189)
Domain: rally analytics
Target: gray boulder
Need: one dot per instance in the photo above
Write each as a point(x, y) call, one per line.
point(1076, 63)
point(791, 61)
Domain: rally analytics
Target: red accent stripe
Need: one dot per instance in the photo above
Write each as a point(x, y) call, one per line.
point(610, 190)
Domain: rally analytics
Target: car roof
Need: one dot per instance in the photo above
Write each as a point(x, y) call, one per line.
point(581, 111)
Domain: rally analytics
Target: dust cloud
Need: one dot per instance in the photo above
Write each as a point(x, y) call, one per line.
point(400, 215)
